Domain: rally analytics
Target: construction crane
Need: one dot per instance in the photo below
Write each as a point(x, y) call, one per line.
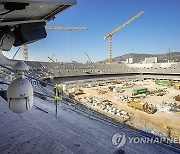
point(110, 35)
point(89, 58)
point(51, 58)
point(25, 47)
point(170, 59)
point(16, 52)
point(65, 28)
point(25, 52)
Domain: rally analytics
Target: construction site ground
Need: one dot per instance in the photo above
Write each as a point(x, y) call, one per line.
point(139, 119)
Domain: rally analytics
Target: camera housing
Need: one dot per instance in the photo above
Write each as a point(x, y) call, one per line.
point(20, 95)
point(20, 91)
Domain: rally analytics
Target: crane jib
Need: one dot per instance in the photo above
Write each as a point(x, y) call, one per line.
point(110, 35)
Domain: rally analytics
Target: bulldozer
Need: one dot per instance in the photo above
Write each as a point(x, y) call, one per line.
point(148, 108)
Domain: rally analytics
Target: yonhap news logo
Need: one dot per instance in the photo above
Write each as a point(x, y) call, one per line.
point(120, 139)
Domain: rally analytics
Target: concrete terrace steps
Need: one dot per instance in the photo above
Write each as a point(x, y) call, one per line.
point(72, 132)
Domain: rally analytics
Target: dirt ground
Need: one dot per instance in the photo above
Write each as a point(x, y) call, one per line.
point(139, 119)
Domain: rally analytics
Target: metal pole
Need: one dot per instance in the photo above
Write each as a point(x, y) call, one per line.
point(56, 104)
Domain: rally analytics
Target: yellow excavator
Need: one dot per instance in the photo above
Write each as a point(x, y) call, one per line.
point(148, 108)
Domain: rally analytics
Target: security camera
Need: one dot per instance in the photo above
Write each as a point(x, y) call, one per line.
point(20, 91)
point(20, 95)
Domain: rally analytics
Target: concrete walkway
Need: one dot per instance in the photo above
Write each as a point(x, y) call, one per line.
point(72, 132)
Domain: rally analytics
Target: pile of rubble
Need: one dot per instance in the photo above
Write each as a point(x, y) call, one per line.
point(128, 85)
point(106, 105)
point(126, 98)
point(120, 97)
point(169, 107)
point(158, 92)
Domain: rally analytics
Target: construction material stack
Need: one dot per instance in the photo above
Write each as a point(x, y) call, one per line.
point(164, 83)
point(139, 91)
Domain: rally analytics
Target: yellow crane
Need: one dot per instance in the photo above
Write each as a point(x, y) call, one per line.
point(110, 35)
point(25, 47)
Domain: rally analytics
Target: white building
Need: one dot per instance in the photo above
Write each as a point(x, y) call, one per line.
point(129, 60)
point(150, 60)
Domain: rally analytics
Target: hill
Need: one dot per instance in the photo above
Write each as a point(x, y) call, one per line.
point(138, 58)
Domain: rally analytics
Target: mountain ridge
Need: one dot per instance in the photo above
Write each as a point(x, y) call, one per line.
point(139, 57)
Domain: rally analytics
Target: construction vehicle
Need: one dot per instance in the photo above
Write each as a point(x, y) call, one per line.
point(110, 35)
point(177, 98)
point(171, 132)
point(77, 91)
point(177, 86)
point(101, 84)
point(25, 47)
point(162, 92)
point(127, 85)
point(102, 92)
point(148, 108)
point(115, 82)
point(111, 87)
point(139, 91)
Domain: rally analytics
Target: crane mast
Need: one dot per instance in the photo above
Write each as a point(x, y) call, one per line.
point(110, 35)
point(25, 52)
point(25, 47)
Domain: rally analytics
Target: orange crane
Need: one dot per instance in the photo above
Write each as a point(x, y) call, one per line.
point(110, 35)
point(25, 47)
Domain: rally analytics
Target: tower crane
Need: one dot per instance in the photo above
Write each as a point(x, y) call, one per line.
point(110, 35)
point(25, 47)
point(16, 52)
point(170, 58)
point(89, 58)
point(51, 58)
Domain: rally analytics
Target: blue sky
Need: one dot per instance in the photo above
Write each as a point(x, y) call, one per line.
point(156, 30)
